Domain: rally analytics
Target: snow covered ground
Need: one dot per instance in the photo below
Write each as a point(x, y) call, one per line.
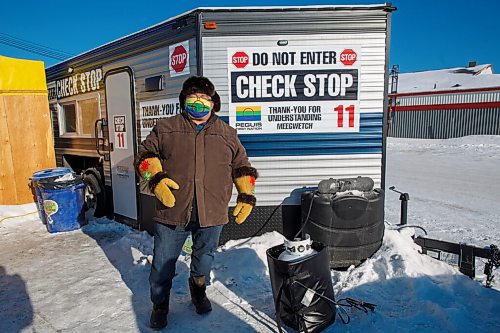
point(96, 279)
point(454, 186)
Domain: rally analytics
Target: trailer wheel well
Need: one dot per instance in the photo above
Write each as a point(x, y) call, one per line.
point(81, 163)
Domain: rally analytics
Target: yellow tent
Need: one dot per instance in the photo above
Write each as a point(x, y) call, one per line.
point(26, 141)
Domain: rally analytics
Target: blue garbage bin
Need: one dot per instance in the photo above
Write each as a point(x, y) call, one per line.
point(63, 203)
point(38, 175)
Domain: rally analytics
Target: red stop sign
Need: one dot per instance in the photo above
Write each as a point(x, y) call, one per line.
point(178, 59)
point(240, 59)
point(348, 57)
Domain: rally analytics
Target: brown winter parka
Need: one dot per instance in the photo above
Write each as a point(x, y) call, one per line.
point(207, 161)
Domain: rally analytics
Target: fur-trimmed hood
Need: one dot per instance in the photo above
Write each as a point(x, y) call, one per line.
point(199, 84)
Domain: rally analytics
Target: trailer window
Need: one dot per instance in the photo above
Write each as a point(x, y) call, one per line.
point(78, 115)
point(69, 118)
point(89, 113)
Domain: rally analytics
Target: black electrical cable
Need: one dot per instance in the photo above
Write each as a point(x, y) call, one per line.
point(349, 302)
point(307, 217)
point(411, 226)
point(262, 227)
point(270, 217)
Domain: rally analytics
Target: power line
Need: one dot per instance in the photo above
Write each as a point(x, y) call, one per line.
point(40, 45)
point(32, 50)
point(33, 47)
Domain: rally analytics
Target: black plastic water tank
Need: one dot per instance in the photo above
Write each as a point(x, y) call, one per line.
point(351, 226)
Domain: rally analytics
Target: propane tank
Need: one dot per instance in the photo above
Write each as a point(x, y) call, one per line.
point(297, 249)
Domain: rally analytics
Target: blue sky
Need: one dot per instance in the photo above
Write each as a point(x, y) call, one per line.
point(425, 34)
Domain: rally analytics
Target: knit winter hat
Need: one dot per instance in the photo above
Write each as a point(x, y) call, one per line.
point(199, 84)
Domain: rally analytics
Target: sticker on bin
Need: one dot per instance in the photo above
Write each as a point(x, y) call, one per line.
point(50, 207)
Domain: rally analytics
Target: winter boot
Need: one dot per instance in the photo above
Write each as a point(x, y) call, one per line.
point(158, 318)
point(199, 298)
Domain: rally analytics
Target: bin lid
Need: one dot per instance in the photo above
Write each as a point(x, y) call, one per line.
point(52, 172)
point(56, 183)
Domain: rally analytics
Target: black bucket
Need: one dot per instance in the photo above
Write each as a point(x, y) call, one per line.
point(302, 290)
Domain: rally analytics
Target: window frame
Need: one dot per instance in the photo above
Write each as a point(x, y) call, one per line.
point(78, 114)
point(63, 118)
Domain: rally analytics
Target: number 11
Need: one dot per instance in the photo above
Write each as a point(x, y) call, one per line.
point(121, 140)
point(340, 115)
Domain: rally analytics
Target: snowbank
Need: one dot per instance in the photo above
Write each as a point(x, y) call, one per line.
point(96, 279)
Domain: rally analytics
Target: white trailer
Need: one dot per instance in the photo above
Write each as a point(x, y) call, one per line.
point(306, 88)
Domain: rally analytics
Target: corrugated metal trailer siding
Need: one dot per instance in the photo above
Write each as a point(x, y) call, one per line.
point(366, 141)
point(443, 124)
point(148, 64)
point(290, 161)
point(281, 174)
point(294, 22)
point(155, 63)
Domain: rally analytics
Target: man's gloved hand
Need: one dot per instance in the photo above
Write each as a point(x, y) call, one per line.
point(164, 194)
point(150, 167)
point(242, 211)
point(245, 184)
point(151, 171)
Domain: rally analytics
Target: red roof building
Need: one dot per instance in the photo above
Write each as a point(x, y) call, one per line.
point(446, 103)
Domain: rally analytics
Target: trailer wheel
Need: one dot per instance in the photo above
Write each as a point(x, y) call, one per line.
point(94, 196)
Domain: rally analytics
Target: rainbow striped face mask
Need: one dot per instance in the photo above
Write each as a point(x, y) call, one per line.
point(198, 107)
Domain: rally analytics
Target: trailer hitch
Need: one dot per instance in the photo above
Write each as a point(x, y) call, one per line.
point(467, 255)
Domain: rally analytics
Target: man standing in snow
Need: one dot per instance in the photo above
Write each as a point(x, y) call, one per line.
point(190, 162)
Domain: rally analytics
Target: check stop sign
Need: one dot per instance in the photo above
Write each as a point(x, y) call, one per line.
point(348, 57)
point(178, 59)
point(240, 59)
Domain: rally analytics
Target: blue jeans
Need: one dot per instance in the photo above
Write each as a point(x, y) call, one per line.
point(168, 241)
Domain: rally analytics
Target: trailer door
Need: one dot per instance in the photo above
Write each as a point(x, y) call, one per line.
point(120, 105)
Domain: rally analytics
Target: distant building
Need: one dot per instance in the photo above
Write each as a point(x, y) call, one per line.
point(446, 103)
